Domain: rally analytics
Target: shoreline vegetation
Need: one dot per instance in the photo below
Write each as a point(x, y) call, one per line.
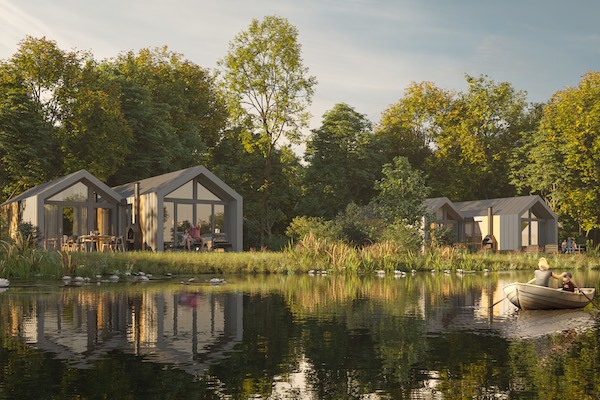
point(22, 260)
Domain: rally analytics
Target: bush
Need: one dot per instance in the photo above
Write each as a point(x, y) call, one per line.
point(30, 233)
point(407, 237)
point(302, 226)
point(359, 226)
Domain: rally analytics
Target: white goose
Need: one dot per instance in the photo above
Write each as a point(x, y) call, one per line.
point(4, 283)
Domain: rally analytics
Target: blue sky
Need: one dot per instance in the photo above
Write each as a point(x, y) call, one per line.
point(363, 52)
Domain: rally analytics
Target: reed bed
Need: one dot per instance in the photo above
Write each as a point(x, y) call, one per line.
point(21, 260)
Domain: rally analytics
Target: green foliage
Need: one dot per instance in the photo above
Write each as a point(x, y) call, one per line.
point(30, 234)
point(408, 237)
point(172, 108)
point(358, 225)
point(343, 163)
point(267, 90)
point(442, 235)
point(478, 133)
point(408, 127)
point(401, 193)
point(320, 227)
point(28, 152)
point(564, 154)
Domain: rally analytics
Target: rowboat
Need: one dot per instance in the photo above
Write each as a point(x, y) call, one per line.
point(534, 297)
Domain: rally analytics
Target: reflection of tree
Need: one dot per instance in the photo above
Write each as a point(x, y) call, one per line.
point(357, 335)
point(219, 221)
point(565, 365)
point(268, 340)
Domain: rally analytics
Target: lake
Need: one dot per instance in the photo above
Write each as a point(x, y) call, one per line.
point(422, 336)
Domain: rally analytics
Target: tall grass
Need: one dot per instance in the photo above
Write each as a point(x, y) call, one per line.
point(21, 260)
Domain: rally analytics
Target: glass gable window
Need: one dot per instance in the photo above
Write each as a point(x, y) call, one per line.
point(205, 194)
point(192, 204)
point(183, 192)
point(78, 193)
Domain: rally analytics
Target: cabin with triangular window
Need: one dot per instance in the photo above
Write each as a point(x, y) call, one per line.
point(504, 224)
point(80, 212)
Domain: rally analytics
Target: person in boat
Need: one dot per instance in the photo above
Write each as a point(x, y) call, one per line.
point(567, 283)
point(543, 274)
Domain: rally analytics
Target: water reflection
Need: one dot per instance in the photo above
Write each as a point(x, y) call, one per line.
point(426, 336)
point(83, 324)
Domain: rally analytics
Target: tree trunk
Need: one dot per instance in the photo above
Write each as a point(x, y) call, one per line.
point(265, 226)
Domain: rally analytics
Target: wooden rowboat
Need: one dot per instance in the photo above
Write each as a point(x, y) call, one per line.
point(533, 297)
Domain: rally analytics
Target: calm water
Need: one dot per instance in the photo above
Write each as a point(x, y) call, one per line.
point(427, 336)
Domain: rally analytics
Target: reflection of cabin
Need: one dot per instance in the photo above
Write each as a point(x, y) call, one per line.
point(78, 204)
point(167, 328)
point(513, 223)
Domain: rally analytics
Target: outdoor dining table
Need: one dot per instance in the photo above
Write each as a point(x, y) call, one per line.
point(94, 242)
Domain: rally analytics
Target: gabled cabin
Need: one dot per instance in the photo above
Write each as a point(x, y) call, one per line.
point(70, 206)
point(152, 213)
point(169, 203)
point(512, 223)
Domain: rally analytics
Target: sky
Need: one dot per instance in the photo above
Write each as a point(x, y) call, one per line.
point(362, 52)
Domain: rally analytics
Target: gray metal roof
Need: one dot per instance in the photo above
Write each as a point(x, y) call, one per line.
point(504, 206)
point(49, 189)
point(432, 205)
point(166, 183)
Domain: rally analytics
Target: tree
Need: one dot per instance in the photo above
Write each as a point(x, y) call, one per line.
point(172, 107)
point(409, 127)
point(564, 153)
point(401, 193)
point(268, 90)
point(479, 131)
point(93, 132)
point(27, 149)
point(342, 163)
point(230, 161)
point(73, 98)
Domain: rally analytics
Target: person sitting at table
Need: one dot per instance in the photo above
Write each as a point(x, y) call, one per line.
point(187, 240)
point(195, 234)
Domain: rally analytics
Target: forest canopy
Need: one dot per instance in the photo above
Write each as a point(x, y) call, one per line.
point(153, 111)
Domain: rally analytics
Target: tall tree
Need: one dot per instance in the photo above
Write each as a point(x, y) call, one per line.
point(564, 153)
point(268, 90)
point(409, 127)
point(172, 107)
point(82, 108)
point(342, 163)
point(401, 193)
point(479, 130)
point(27, 148)
point(231, 162)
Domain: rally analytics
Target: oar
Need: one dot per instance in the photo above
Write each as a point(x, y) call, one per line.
point(502, 299)
point(586, 296)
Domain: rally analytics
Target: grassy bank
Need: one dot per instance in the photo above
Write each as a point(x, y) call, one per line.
point(19, 260)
